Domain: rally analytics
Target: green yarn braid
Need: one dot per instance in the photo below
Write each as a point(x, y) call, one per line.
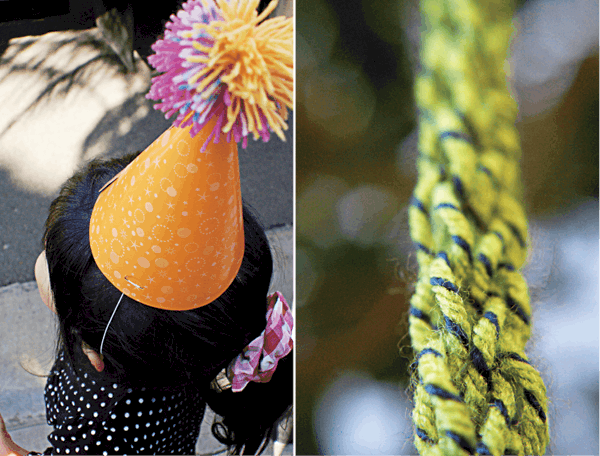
point(470, 316)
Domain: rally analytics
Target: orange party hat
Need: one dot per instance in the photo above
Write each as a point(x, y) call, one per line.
point(168, 230)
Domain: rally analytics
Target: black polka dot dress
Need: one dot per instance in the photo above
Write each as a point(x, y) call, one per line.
point(91, 416)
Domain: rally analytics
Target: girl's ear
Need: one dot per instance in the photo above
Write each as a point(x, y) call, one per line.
point(96, 359)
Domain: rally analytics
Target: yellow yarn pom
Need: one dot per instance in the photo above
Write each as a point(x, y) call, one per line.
point(254, 57)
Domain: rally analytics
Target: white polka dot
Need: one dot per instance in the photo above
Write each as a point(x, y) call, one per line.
point(126, 428)
point(141, 400)
point(126, 414)
point(109, 437)
point(143, 262)
point(93, 432)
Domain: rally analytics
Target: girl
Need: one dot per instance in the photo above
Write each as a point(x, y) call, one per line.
point(147, 392)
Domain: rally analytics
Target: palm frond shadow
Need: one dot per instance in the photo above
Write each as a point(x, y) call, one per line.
point(59, 82)
point(145, 125)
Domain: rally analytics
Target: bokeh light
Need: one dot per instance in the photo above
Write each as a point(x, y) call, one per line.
point(365, 212)
point(358, 415)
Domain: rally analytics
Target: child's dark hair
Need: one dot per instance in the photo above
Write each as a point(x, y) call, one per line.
point(155, 347)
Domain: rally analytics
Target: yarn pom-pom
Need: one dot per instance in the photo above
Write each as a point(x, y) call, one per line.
point(222, 60)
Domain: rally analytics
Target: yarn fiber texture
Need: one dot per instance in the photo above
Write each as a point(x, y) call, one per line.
point(475, 392)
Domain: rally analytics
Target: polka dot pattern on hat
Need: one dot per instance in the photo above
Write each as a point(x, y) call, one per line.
point(168, 232)
point(92, 416)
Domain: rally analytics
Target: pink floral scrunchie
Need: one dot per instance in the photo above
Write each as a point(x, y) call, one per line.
point(259, 359)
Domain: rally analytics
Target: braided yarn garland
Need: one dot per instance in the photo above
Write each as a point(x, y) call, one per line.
point(470, 316)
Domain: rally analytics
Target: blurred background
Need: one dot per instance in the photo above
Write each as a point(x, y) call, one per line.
point(355, 164)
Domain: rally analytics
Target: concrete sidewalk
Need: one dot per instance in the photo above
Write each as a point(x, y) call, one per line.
point(27, 338)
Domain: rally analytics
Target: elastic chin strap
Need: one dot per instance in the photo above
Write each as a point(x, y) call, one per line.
point(108, 324)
